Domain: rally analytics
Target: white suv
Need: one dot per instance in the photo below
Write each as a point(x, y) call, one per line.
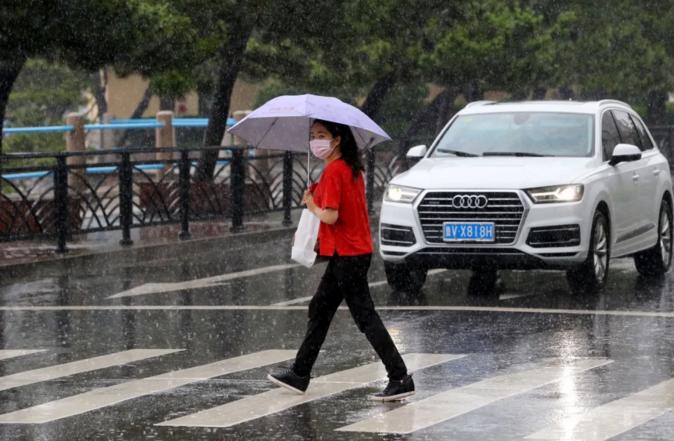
point(552, 185)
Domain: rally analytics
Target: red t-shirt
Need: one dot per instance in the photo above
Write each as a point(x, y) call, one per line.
point(337, 189)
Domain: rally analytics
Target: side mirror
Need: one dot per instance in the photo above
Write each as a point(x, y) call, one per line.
point(625, 153)
point(417, 152)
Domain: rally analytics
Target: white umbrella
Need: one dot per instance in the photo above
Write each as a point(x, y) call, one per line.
point(283, 123)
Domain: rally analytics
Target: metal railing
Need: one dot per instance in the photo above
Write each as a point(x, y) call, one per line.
point(120, 189)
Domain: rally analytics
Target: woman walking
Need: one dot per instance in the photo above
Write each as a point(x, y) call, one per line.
point(344, 238)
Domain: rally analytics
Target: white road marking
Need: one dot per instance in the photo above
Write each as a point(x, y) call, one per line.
point(613, 418)
point(11, 353)
point(277, 400)
point(371, 285)
point(514, 296)
point(107, 396)
point(156, 288)
point(375, 284)
point(294, 301)
point(452, 403)
point(619, 313)
point(77, 367)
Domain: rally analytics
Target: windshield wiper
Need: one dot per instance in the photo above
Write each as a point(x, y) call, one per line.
point(457, 153)
point(512, 154)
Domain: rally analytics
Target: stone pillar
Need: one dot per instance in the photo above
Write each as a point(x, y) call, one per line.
point(165, 137)
point(75, 142)
point(230, 140)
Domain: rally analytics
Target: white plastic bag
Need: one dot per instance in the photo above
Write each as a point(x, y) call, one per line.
point(305, 239)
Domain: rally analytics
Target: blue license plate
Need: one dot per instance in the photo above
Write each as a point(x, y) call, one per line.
point(468, 231)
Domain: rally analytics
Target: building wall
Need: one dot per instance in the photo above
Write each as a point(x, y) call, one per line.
point(124, 94)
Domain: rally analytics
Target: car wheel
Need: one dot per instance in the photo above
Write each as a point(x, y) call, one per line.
point(590, 276)
point(656, 261)
point(483, 282)
point(405, 276)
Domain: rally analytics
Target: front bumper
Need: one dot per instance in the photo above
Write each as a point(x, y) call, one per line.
point(571, 247)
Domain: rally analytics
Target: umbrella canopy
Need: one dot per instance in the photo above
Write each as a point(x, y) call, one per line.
point(283, 123)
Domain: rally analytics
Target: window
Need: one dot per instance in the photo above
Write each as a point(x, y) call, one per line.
point(626, 128)
point(646, 143)
point(609, 135)
point(518, 133)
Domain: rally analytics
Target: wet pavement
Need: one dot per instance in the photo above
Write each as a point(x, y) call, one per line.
point(178, 347)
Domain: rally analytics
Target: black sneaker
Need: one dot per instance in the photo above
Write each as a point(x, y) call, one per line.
point(290, 380)
point(396, 390)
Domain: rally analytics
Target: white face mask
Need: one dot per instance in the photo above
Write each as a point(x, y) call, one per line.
point(321, 148)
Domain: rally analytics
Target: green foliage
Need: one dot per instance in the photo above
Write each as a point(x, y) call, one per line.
point(43, 93)
point(619, 49)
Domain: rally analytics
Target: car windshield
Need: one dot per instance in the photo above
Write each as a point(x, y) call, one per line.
point(518, 134)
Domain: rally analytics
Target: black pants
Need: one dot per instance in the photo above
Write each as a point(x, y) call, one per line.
point(346, 278)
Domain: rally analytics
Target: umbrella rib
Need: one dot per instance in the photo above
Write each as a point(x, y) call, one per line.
point(266, 133)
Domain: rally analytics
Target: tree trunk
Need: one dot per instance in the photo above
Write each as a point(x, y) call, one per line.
point(447, 95)
point(539, 93)
point(137, 113)
point(99, 86)
point(9, 71)
point(230, 65)
point(167, 103)
point(472, 91)
point(566, 93)
point(377, 93)
point(444, 108)
point(657, 107)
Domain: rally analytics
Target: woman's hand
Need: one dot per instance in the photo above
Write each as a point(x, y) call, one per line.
point(308, 200)
point(327, 216)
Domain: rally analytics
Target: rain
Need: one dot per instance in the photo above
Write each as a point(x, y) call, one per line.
point(357, 220)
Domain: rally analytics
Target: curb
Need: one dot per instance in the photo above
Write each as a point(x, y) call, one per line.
point(143, 253)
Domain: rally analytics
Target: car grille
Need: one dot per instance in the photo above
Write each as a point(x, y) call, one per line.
point(505, 209)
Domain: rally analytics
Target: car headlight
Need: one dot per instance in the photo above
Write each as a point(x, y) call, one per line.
point(557, 193)
point(404, 195)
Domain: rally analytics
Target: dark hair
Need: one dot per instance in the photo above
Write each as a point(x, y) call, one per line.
point(347, 145)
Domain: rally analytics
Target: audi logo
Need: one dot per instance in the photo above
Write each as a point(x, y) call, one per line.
point(470, 201)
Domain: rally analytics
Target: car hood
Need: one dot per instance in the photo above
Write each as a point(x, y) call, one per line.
point(500, 172)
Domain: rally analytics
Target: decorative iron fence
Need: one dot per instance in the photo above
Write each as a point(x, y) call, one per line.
point(121, 189)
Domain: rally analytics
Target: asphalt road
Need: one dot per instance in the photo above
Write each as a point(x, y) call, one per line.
point(178, 348)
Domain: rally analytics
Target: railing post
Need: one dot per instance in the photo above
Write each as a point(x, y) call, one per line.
point(125, 198)
point(237, 187)
point(61, 203)
point(287, 187)
point(184, 182)
point(370, 179)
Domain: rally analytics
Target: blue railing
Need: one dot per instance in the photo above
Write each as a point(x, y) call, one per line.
point(116, 124)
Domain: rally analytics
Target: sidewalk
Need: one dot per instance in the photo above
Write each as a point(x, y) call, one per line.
point(147, 241)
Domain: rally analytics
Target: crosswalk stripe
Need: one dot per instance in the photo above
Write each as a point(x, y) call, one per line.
point(77, 367)
point(108, 396)
point(11, 353)
point(277, 400)
point(452, 403)
point(615, 417)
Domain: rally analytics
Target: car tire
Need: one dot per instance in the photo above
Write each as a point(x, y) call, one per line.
point(657, 260)
point(405, 276)
point(590, 276)
point(483, 282)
